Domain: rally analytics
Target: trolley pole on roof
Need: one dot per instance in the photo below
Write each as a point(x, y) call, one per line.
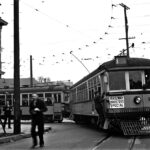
point(17, 127)
point(79, 61)
point(126, 26)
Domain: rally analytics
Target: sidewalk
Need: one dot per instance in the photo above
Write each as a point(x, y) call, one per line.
point(25, 132)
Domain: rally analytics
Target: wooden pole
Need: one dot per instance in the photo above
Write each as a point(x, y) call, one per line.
point(126, 27)
point(31, 72)
point(17, 127)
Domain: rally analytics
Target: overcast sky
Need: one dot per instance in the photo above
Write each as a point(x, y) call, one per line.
point(90, 29)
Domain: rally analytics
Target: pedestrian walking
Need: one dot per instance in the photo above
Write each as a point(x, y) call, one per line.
point(7, 114)
point(37, 107)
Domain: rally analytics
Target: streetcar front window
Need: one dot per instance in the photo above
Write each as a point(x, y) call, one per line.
point(135, 79)
point(147, 78)
point(117, 80)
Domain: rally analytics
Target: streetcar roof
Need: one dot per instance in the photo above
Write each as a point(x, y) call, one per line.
point(112, 65)
point(35, 89)
point(130, 63)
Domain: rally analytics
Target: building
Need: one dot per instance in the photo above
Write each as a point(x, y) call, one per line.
point(26, 82)
point(9, 82)
point(2, 23)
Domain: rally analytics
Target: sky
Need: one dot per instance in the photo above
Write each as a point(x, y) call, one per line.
point(68, 39)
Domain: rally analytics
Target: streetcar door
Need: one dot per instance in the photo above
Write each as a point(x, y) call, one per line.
point(24, 105)
point(57, 102)
point(49, 104)
point(146, 88)
point(57, 107)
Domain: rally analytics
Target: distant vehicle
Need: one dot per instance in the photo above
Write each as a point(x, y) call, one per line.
point(124, 103)
point(52, 95)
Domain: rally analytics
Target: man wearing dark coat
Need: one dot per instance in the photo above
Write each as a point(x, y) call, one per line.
point(7, 114)
point(98, 100)
point(36, 109)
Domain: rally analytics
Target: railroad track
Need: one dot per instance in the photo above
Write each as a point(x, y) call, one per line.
point(131, 144)
point(101, 141)
point(99, 144)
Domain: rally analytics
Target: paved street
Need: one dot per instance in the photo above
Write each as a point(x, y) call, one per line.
point(63, 136)
point(70, 136)
point(25, 132)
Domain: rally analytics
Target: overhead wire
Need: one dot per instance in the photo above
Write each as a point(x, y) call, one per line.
point(55, 19)
point(38, 10)
point(103, 37)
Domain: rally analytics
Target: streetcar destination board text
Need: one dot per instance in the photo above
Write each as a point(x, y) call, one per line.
point(116, 101)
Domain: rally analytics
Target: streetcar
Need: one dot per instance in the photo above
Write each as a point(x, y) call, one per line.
point(53, 96)
point(123, 85)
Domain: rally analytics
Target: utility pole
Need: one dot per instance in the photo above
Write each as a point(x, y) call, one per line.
point(31, 72)
point(17, 115)
point(126, 26)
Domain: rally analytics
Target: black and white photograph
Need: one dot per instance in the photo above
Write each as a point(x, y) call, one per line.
point(75, 74)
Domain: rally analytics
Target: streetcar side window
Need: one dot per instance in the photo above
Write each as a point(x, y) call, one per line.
point(2, 100)
point(41, 95)
point(48, 97)
point(59, 98)
point(90, 94)
point(117, 80)
point(9, 98)
point(24, 99)
point(73, 95)
point(82, 92)
point(55, 98)
point(13, 99)
point(66, 97)
point(135, 79)
point(48, 101)
point(30, 98)
point(91, 88)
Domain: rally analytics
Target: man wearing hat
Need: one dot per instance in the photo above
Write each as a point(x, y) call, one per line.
point(37, 107)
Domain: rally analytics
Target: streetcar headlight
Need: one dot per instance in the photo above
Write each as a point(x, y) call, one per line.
point(137, 100)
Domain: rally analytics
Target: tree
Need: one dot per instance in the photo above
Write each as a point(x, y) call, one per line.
point(41, 79)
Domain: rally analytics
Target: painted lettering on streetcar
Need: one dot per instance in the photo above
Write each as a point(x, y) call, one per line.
point(116, 101)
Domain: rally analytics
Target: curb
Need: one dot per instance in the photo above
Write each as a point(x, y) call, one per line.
point(17, 137)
